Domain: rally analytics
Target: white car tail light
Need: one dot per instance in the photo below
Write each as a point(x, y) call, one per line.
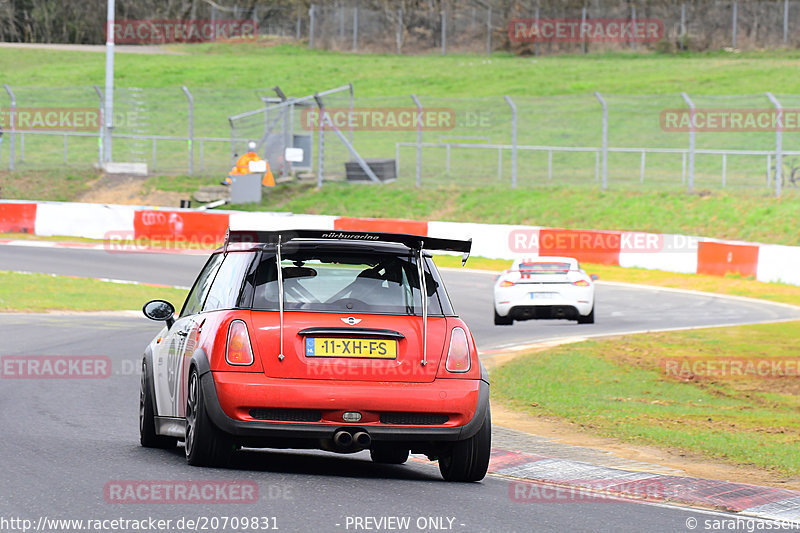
point(506, 283)
point(458, 355)
point(239, 352)
point(581, 283)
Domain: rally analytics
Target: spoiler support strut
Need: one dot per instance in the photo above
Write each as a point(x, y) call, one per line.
point(424, 299)
point(280, 297)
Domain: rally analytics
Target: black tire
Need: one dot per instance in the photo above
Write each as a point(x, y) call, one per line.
point(388, 454)
point(147, 423)
point(468, 460)
point(502, 320)
point(206, 445)
point(588, 319)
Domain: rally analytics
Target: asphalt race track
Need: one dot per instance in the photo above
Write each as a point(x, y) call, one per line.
point(65, 441)
point(620, 309)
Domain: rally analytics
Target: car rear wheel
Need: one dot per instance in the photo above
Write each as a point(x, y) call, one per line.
point(502, 320)
point(468, 460)
point(205, 444)
point(588, 319)
point(388, 454)
point(147, 424)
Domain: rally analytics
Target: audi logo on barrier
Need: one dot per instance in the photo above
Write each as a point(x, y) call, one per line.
point(154, 218)
point(151, 218)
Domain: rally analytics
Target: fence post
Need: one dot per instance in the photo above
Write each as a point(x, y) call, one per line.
point(583, 21)
point(513, 107)
point(604, 140)
point(399, 31)
point(286, 167)
point(444, 32)
point(641, 168)
point(101, 132)
point(633, 24)
point(355, 29)
point(419, 139)
point(190, 98)
point(724, 168)
point(683, 27)
point(341, 22)
point(785, 22)
point(311, 27)
point(213, 22)
point(733, 23)
point(489, 32)
point(691, 139)
point(298, 27)
point(320, 140)
point(12, 121)
point(778, 144)
point(352, 110)
point(536, 43)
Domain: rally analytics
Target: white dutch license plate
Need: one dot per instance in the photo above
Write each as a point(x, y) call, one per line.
point(543, 295)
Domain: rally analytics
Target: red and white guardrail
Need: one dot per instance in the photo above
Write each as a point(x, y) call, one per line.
point(120, 224)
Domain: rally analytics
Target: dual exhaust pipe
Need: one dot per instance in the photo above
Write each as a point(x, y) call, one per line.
point(346, 440)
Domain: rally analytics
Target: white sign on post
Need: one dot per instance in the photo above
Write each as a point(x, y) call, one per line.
point(294, 155)
point(257, 167)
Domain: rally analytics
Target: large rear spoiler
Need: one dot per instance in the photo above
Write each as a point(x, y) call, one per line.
point(415, 242)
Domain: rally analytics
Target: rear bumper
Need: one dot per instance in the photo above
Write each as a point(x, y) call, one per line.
point(526, 312)
point(465, 401)
point(517, 302)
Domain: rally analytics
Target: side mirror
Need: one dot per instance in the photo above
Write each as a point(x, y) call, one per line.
point(160, 311)
point(594, 277)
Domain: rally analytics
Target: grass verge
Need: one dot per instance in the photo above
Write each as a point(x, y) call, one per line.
point(300, 70)
point(622, 388)
point(44, 292)
point(57, 185)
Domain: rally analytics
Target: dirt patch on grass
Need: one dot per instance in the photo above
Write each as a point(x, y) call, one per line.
point(128, 190)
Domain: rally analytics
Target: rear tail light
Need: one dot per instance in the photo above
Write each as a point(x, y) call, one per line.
point(506, 283)
point(458, 355)
point(239, 351)
point(581, 283)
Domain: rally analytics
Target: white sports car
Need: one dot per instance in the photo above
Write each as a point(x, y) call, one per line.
point(544, 287)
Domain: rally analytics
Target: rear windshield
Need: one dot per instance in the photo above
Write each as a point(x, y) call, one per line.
point(349, 282)
point(544, 268)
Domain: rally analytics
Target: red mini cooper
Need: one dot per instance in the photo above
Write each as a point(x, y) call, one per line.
point(319, 339)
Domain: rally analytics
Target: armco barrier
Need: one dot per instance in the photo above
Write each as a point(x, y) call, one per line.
point(672, 253)
point(720, 258)
point(193, 226)
point(17, 218)
point(384, 225)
